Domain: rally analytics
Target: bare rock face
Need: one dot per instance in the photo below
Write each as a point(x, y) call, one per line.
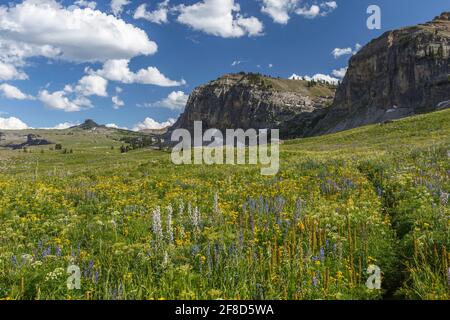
point(402, 73)
point(254, 101)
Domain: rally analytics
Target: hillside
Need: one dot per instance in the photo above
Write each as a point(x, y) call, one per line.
point(397, 136)
point(256, 101)
point(371, 195)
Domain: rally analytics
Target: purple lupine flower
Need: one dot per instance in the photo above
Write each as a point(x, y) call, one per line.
point(322, 254)
point(58, 251)
point(379, 192)
point(88, 271)
point(252, 224)
point(252, 205)
point(217, 253)
point(120, 291)
point(280, 202)
point(259, 292)
point(47, 251)
point(114, 293)
point(286, 224)
point(209, 259)
point(195, 250)
point(315, 281)
point(241, 239)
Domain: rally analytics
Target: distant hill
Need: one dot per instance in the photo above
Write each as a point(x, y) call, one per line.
point(88, 124)
point(78, 135)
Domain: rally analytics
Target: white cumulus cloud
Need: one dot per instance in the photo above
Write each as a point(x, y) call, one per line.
point(176, 101)
point(62, 126)
point(317, 10)
point(279, 10)
point(115, 126)
point(47, 28)
point(158, 16)
point(309, 13)
point(150, 123)
point(92, 85)
point(339, 52)
point(12, 123)
point(317, 77)
point(75, 97)
point(118, 5)
point(11, 92)
point(117, 103)
point(9, 72)
point(220, 18)
point(118, 70)
point(59, 100)
point(85, 4)
point(339, 73)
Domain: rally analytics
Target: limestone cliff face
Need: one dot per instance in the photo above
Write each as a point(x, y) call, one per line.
point(404, 72)
point(254, 101)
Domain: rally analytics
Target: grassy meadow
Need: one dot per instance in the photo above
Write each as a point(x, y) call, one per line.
point(140, 227)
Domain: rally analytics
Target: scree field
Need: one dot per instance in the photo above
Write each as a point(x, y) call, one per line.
point(140, 227)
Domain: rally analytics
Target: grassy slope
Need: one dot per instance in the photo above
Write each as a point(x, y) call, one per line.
point(397, 160)
point(402, 135)
point(95, 149)
point(283, 85)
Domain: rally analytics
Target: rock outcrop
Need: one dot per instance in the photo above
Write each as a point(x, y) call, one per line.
point(255, 101)
point(402, 73)
point(89, 125)
point(32, 140)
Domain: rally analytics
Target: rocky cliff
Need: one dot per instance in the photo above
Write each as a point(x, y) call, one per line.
point(255, 101)
point(404, 72)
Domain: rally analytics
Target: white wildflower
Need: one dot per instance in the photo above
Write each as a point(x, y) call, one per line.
point(157, 225)
point(169, 226)
point(55, 274)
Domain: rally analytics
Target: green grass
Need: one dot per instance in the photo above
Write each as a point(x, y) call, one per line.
point(372, 195)
point(282, 85)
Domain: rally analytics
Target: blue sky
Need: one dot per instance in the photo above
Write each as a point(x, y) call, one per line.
point(63, 62)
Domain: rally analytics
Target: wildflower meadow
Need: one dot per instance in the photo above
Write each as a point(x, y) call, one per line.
point(140, 227)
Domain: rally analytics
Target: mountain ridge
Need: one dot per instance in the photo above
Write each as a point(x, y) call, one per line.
point(401, 73)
